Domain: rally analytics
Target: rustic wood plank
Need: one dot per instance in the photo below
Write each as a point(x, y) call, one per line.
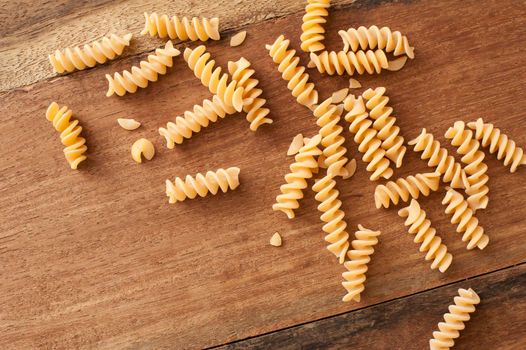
point(408, 323)
point(98, 258)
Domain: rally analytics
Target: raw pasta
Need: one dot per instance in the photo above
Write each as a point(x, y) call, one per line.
point(356, 266)
point(142, 147)
point(373, 37)
point(426, 235)
point(297, 142)
point(201, 185)
point(98, 52)
point(291, 71)
point(312, 31)
point(75, 145)
point(454, 320)
point(406, 188)
point(463, 216)
point(475, 168)
point(302, 169)
point(498, 142)
point(140, 77)
point(195, 28)
point(384, 123)
point(199, 62)
point(257, 114)
point(439, 158)
point(366, 137)
point(238, 38)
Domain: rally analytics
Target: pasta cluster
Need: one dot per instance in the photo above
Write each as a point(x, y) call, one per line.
point(406, 188)
point(75, 145)
point(291, 71)
point(201, 185)
point(98, 52)
point(181, 28)
point(499, 143)
point(339, 62)
point(312, 31)
point(420, 226)
point(140, 77)
point(303, 167)
point(454, 320)
point(356, 266)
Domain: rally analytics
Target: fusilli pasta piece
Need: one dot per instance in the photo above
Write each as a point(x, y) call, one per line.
point(291, 71)
point(420, 226)
point(333, 217)
point(454, 320)
point(312, 31)
point(499, 143)
point(302, 169)
point(211, 182)
point(366, 137)
point(356, 266)
point(384, 123)
point(140, 148)
point(439, 158)
point(195, 28)
point(98, 52)
point(243, 75)
point(199, 62)
point(462, 215)
point(406, 188)
point(475, 168)
point(193, 121)
point(140, 77)
point(75, 145)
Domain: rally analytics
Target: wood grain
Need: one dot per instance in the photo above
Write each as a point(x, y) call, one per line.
point(97, 258)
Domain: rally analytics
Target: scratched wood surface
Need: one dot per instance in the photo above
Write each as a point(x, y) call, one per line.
point(97, 258)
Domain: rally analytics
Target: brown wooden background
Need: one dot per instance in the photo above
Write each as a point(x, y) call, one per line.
point(97, 258)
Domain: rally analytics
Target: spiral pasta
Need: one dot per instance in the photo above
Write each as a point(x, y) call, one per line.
point(366, 137)
point(201, 185)
point(312, 31)
point(98, 52)
point(140, 77)
point(454, 320)
point(193, 121)
point(199, 62)
point(256, 112)
point(333, 217)
point(439, 158)
point(183, 28)
point(302, 168)
point(420, 226)
point(291, 71)
point(75, 145)
point(498, 142)
point(356, 266)
point(462, 215)
point(475, 168)
point(405, 188)
point(384, 123)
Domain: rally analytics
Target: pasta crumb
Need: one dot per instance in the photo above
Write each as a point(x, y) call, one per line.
point(354, 84)
point(142, 147)
point(351, 169)
point(296, 144)
point(128, 124)
point(238, 38)
point(275, 240)
point(340, 95)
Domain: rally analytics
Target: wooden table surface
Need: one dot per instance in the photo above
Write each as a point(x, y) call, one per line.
point(96, 258)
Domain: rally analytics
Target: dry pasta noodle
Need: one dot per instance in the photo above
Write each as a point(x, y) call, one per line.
point(312, 31)
point(142, 147)
point(149, 70)
point(366, 137)
point(201, 185)
point(291, 71)
point(406, 188)
point(454, 320)
point(183, 29)
point(257, 113)
point(75, 145)
point(475, 168)
point(463, 216)
point(301, 170)
point(98, 52)
point(426, 235)
point(385, 124)
point(497, 142)
point(356, 266)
